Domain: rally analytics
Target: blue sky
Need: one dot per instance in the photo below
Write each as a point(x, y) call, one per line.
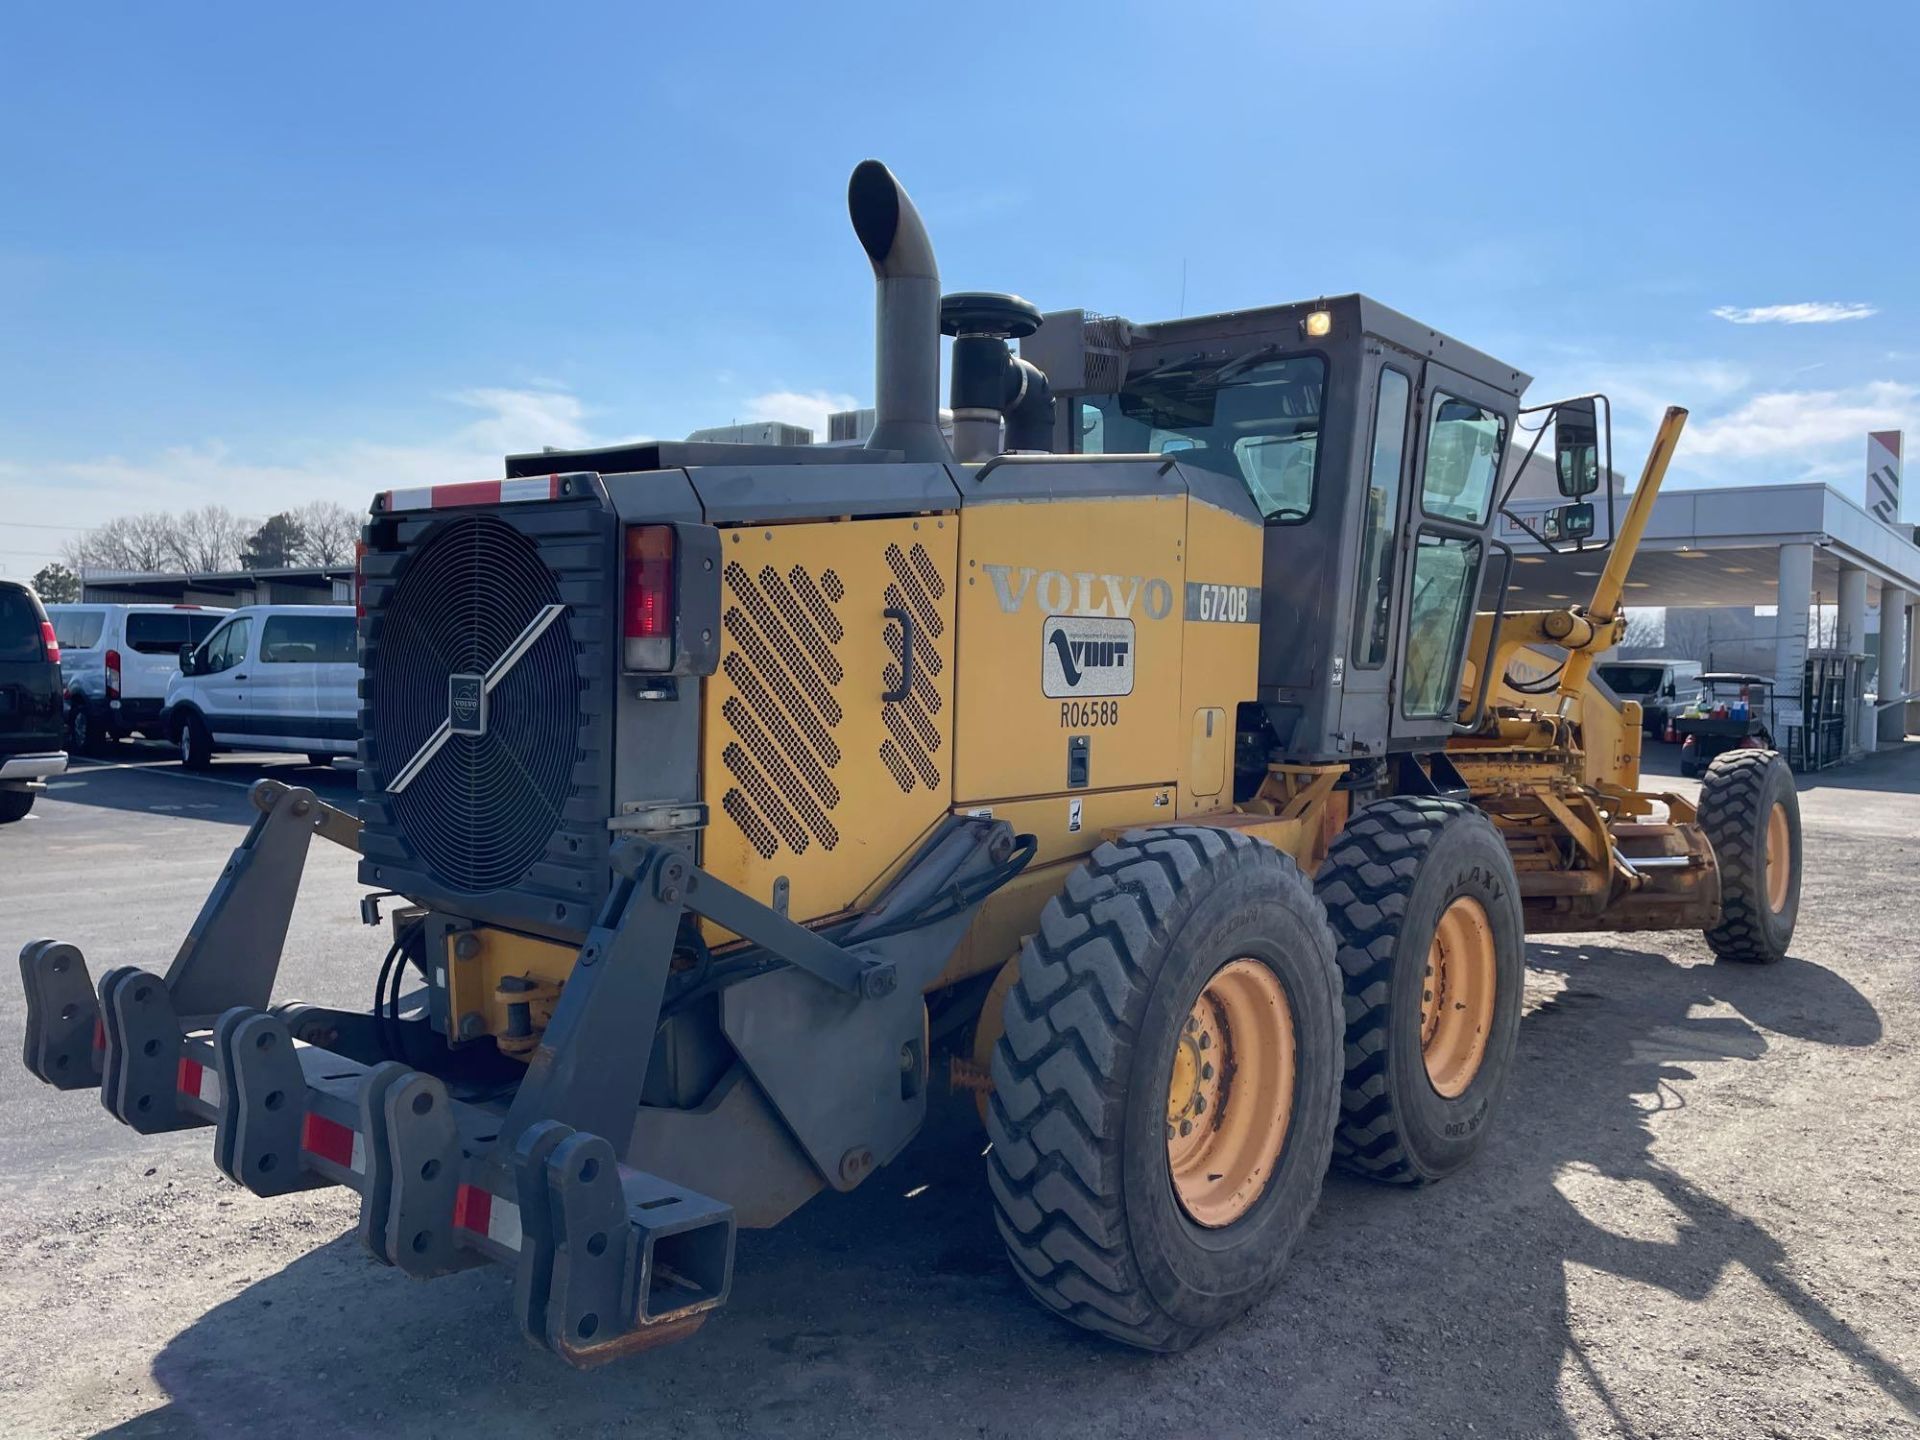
point(256, 254)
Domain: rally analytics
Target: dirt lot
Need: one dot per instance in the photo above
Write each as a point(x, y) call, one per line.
point(1698, 1216)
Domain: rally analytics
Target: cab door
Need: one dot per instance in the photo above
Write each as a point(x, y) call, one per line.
point(1386, 469)
point(1462, 428)
point(223, 684)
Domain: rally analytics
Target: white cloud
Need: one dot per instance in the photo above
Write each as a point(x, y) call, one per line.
point(1806, 312)
point(1810, 426)
point(799, 407)
point(519, 420)
point(46, 499)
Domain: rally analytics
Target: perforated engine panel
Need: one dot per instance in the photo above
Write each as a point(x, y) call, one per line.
point(811, 775)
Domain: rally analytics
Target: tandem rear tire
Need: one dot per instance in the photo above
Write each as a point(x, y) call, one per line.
point(1422, 896)
point(1751, 813)
point(1165, 1090)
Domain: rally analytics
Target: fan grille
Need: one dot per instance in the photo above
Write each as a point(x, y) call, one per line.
point(483, 810)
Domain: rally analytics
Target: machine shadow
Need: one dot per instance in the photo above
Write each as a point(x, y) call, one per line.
point(142, 779)
point(1403, 1312)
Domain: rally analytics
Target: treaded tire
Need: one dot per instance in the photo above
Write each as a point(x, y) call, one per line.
point(88, 731)
point(14, 805)
point(1082, 1189)
point(190, 733)
point(1390, 876)
point(1736, 800)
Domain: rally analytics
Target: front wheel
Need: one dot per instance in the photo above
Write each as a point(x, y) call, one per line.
point(190, 733)
point(1751, 813)
point(1164, 1093)
point(1422, 895)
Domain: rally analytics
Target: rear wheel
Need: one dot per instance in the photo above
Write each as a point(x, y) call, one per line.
point(1751, 814)
point(1423, 898)
point(14, 805)
point(1165, 1089)
point(88, 732)
point(190, 733)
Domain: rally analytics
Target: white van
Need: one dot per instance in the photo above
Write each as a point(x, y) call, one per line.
point(273, 677)
point(1663, 687)
point(116, 662)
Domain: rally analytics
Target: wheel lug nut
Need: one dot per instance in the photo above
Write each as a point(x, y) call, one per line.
point(1186, 1127)
point(1206, 1072)
point(1206, 1042)
point(1199, 1104)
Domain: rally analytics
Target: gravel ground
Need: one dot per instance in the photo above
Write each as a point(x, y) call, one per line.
point(1697, 1216)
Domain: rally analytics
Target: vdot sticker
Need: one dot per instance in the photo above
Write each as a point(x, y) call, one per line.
point(1082, 656)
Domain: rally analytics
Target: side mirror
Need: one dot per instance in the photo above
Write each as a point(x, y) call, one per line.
point(1576, 433)
point(1571, 522)
point(186, 658)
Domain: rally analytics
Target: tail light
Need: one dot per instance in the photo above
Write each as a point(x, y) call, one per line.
point(113, 674)
point(647, 598)
point(50, 640)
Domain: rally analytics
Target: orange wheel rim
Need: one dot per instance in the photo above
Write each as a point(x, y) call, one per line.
point(1456, 997)
point(1231, 1093)
point(1779, 858)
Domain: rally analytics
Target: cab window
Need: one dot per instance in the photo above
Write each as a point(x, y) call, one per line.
point(1374, 604)
point(1463, 460)
point(228, 647)
point(1255, 420)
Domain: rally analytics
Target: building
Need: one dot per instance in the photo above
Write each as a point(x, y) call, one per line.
point(755, 432)
point(230, 589)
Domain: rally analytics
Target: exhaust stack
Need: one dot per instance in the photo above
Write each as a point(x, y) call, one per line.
point(906, 399)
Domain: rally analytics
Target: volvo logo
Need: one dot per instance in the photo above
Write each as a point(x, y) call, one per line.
point(467, 704)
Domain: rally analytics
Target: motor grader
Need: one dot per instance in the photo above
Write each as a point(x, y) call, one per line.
point(1155, 749)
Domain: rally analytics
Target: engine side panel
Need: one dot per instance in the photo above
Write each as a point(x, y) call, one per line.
point(810, 777)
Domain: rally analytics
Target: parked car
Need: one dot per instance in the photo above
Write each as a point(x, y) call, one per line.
point(271, 677)
point(1661, 687)
point(29, 701)
point(117, 661)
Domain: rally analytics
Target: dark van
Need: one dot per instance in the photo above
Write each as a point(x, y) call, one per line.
point(30, 738)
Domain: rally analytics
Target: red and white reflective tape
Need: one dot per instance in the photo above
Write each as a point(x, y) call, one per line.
point(330, 1140)
point(474, 492)
point(198, 1081)
point(485, 1213)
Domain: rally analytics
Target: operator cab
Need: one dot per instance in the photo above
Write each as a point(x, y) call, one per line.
point(1373, 447)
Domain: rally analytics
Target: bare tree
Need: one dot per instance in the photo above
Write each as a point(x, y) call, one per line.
point(331, 531)
point(127, 542)
point(1646, 629)
point(210, 538)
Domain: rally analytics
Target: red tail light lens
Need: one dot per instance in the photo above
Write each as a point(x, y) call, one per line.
point(113, 674)
point(50, 640)
point(647, 598)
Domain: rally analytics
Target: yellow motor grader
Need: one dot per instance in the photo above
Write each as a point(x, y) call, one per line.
point(1155, 747)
